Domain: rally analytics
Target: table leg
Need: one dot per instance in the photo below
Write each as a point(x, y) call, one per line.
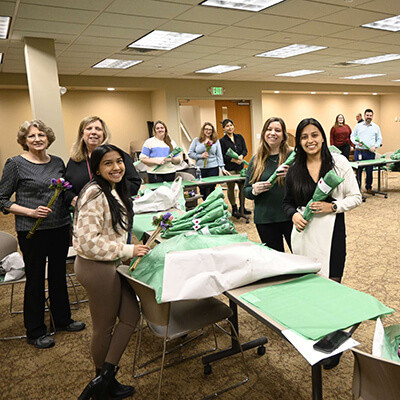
point(234, 349)
point(379, 184)
point(316, 375)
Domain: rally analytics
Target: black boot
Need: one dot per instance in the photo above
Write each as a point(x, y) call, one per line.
point(98, 387)
point(244, 211)
point(116, 390)
point(235, 212)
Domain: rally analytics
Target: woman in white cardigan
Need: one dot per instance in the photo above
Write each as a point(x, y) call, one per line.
point(324, 236)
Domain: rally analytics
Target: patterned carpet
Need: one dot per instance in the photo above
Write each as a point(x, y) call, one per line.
point(373, 231)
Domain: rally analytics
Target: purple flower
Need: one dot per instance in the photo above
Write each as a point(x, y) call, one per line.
point(54, 181)
point(166, 216)
point(163, 225)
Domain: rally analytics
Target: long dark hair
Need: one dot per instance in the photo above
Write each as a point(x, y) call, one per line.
point(122, 216)
point(302, 187)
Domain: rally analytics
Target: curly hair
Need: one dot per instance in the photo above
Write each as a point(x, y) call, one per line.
point(37, 123)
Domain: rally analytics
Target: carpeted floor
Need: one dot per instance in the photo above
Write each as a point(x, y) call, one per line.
point(373, 231)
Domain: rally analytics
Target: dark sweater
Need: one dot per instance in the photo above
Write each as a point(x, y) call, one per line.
point(238, 147)
point(267, 205)
point(78, 175)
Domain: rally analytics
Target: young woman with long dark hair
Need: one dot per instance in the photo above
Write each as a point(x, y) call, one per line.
point(324, 236)
point(103, 218)
point(273, 149)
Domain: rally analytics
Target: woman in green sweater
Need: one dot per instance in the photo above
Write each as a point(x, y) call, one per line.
point(271, 222)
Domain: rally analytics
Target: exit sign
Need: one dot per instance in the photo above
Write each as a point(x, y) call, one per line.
point(216, 90)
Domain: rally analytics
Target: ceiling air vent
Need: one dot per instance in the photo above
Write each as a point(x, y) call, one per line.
point(343, 65)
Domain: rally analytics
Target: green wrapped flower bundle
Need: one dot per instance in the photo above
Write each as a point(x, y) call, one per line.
point(324, 188)
point(173, 153)
point(232, 154)
point(360, 142)
point(272, 179)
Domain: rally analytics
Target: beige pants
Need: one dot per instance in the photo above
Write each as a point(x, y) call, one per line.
point(109, 297)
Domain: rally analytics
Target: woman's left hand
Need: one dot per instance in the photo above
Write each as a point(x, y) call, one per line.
point(225, 172)
point(320, 207)
point(175, 160)
point(282, 171)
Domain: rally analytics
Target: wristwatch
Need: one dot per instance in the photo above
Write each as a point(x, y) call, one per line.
point(334, 207)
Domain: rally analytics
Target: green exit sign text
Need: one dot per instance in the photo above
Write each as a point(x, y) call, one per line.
point(217, 90)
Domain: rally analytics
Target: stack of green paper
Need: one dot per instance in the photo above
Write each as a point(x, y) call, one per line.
point(209, 217)
point(395, 156)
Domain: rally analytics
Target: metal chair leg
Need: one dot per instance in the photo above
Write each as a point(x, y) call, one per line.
point(162, 364)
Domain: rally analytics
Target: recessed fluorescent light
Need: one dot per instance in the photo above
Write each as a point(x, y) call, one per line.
point(363, 76)
point(313, 92)
point(377, 59)
point(4, 26)
point(396, 80)
point(111, 89)
point(1, 58)
point(346, 93)
point(276, 91)
point(218, 69)
point(117, 64)
point(388, 24)
point(248, 5)
point(164, 40)
point(374, 94)
point(290, 51)
point(300, 72)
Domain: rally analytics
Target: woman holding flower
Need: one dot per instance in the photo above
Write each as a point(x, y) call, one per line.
point(156, 151)
point(206, 151)
point(103, 218)
point(236, 142)
point(273, 149)
point(324, 236)
point(29, 176)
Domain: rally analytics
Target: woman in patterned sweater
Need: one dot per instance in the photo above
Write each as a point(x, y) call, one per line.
point(103, 218)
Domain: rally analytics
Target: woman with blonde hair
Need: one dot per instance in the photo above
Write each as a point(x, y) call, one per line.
point(271, 222)
point(200, 152)
point(92, 133)
point(155, 152)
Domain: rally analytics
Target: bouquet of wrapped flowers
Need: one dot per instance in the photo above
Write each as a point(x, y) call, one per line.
point(272, 179)
point(208, 143)
point(162, 223)
point(360, 142)
point(324, 188)
point(232, 154)
point(173, 153)
point(58, 185)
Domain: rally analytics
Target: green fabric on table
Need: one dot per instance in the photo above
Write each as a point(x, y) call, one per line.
point(144, 222)
point(379, 161)
point(314, 306)
point(151, 268)
point(391, 343)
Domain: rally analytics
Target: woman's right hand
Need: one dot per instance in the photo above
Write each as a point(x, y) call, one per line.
point(140, 250)
point(159, 161)
point(260, 187)
point(205, 155)
point(299, 222)
point(40, 212)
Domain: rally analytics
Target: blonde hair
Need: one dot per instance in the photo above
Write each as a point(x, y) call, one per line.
point(337, 117)
point(264, 151)
point(79, 150)
point(37, 123)
point(214, 135)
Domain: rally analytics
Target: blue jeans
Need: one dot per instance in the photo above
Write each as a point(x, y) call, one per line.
point(364, 155)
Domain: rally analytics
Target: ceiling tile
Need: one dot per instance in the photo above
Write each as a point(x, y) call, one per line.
point(316, 27)
point(148, 8)
point(270, 22)
point(241, 33)
point(129, 21)
point(214, 15)
point(289, 38)
point(47, 26)
point(7, 8)
point(190, 27)
point(388, 6)
point(353, 17)
point(130, 34)
point(219, 42)
point(94, 5)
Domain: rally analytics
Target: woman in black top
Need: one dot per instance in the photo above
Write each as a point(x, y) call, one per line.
point(271, 222)
point(29, 176)
point(235, 142)
point(93, 132)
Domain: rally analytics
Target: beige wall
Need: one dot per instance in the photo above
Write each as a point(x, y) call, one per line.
point(294, 107)
point(125, 113)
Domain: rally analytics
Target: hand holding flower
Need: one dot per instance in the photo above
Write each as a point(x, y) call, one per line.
point(299, 222)
point(140, 250)
point(41, 212)
point(208, 144)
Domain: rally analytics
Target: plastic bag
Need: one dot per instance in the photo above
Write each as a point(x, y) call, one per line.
point(13, 267)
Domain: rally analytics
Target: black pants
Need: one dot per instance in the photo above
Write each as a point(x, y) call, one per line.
point(53, 245)
point(159, 178)
point(345, 150)
point(272, 234)
point(338, 248)
point(205, 173)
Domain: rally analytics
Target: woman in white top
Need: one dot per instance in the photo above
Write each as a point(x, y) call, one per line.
point(103, 218)
point(155, 152)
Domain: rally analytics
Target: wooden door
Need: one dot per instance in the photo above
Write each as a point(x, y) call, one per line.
point(240, 115)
